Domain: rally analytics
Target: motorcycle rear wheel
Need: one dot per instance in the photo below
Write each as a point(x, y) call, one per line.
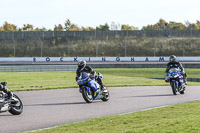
point(106, 96)
point(16, 109)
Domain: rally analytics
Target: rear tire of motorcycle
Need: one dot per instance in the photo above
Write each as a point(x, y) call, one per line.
point(106, 97)
point(173, 85)
point(85, 95)
point(182, 92)
point(16, 110)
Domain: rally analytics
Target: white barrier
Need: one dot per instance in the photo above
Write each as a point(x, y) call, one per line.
point(97, 59)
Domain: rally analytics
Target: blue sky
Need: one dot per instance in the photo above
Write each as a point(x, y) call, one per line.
point(138, 13)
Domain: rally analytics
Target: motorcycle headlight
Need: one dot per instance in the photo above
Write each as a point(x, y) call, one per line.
point(176, 76)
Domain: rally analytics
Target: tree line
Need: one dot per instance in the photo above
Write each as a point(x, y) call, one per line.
point(69, 26)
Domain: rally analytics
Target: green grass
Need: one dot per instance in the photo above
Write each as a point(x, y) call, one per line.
point(180, 118)
point(39, 80)
point(112, 77)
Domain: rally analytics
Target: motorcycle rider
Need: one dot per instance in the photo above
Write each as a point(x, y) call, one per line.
point(175, 64)
point(5, 90)
point(82, 67)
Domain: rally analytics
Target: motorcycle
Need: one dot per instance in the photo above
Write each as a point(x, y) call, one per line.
point(13, 105)
point(176, 81)
point(86, 82)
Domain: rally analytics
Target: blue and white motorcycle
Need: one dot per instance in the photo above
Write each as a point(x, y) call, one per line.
point(90, 89)
point(176, 81)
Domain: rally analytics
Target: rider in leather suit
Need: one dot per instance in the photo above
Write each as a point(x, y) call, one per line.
point(5, 89)
point(82, 67)
point(175, 64)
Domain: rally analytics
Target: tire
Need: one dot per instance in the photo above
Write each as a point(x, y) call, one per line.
point(174, 89)
point(106, 96)
point(18, 109)
point(182, 92)
point(86, 96)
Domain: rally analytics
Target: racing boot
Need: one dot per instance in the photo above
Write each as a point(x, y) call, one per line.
point(185, 80)
point(184, 77)
point(99, 81)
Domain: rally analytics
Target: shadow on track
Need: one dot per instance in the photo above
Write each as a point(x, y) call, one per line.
point(5, 114)
point(53, 104)
point(160, 95)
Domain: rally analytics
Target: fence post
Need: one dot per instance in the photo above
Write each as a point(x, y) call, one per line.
point(41, 45)
point(125, 48)
point(68, 47)
point(154, 48)
point(13, 46)
point(96, 47)
point(95, 33)
point(183, 45)
point(95, 39)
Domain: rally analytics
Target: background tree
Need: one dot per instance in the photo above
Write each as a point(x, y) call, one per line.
point(104, 27)
point(67, 24)
point(41, 29)
point(127, 27)
point(58, 28)
point(198, 24)
point(1, 29)
point(9, 27)
point(27, 27)
point(161, 24)
point(192, 26)
point(74, 27)
point(87, 28)
point(115, 26)
point(176, 26)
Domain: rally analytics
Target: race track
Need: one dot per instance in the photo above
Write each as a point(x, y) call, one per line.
point(47, 108)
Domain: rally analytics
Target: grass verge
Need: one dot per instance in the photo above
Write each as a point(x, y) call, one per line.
point(182, 118)
point(112, 77)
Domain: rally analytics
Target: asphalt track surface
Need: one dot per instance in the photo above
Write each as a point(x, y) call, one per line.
point(47, 108)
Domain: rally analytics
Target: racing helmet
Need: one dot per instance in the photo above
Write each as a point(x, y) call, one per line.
point(172, 58)
point(81, 64)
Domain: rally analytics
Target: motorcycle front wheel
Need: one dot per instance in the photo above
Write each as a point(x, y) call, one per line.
point(174, 88)
point(16, 108)
point(88, 97)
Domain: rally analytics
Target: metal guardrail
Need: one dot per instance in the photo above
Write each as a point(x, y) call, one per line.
point(37, 68)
